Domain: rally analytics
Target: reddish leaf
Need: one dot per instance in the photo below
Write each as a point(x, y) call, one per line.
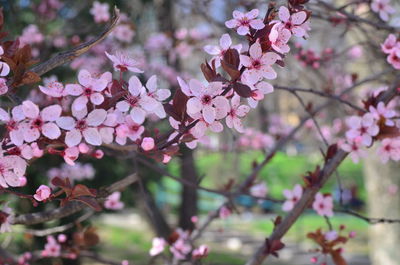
point(63, 184)
point(89, 201)
point(179, 104)
point(332, 150)
point(30, 78)
point(90, 237)
point(208, 72)
point(231, 57)
point(232, 71)
point(242, 90)
point(337, 258)
point(82, 190)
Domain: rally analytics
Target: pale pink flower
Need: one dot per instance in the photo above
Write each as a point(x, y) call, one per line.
point(382, 7)
point(3, 86)
point(235, 113)
point(365, 127)
point(62, 238)
point(199, 130)
point(52, 248)
point(158, 245)
point(383, 112)
point(54, 89)
point(224, 212)
point(390, 44)
point(113, 201)
point(258, 92)
point(31, 35)
point(100, 12)
point(200, 252)
point(84, 124)
point(389, 149)
point(354, 147)
point(158, 94)
point(331, 235)
point(242, 22)
point(6, 217)
point(138, 101)
point(323, 205)
point(180, 249)
point(292, 197)
point(259, 190)
point(30, 151)
point(71, 154)
point(42, 193)
point(279, 37)
point(147, 144)
point(123, 33)
point(41, 121)
point(355, 52)
point(128, 129)
point(12, 168)
point(352, 234)
point(207, 101)
point(258, 65)
point(394, 58)
point(12, 124)
point(225, 43)
point(292, 22)
point(122, 62)
point(90, 88)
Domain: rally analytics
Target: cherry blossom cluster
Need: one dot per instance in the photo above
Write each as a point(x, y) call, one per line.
point(391, 46)
point(77, 172)
point(180, 248)
point(363, 130)
point(309, 57)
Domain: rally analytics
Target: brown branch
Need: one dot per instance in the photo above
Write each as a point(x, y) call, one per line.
point(72, 207)
point(370, 220)
point(308, 196)
point(66, 56)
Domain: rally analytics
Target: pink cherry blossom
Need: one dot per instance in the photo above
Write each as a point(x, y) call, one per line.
point(123, 33)
point(90, 88)
point(394, 58)
point(242, 22)
point(331, 235)
point(30, 151)
point(225, 43)
point(3, 86)
point(71, 154)
point(200, 252)
point(54, 89)
point(365, 127)
point(258, 91)
point(354, 147)
point(279, 37)
point(158, 94)
point(6, 217)
point(41, 121)
point(128, 129)
point(292, 197)
point(158, 245)
point(31, 35)
point(236, 112)
point(147, 143)
point(390, 44)
point(180, 249)
point(259, 190)
point(207, 101)
point(100, 11)
point(42, 193)
point(199, 130)
point(224, 212)
point(113, 201)
point(138, 100)
point(258, 65)
point(382, 7)
point(12, 124)
point(52, 248)
point(292, 22)
point(62, 238)
point(323, 205)
point(389, 149)
point(382, 112)
point(12, 168)
point(122, 62)
point(84, 125)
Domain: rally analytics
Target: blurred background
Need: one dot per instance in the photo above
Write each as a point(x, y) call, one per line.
point(167, 38)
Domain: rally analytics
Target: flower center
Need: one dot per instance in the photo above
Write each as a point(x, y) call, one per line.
point(81, 125)
point(245, 22)
point(206, 99)
point(88, 91)
point(133, 101)
point(256, 64)
point(11, 125)
point(37, 123)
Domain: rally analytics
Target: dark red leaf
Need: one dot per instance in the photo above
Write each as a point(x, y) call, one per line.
point(82, 190)
point(89, 201)
point(242, 90)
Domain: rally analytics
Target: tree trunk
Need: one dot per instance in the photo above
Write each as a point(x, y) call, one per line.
point(188, 206)
point(382, 181)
